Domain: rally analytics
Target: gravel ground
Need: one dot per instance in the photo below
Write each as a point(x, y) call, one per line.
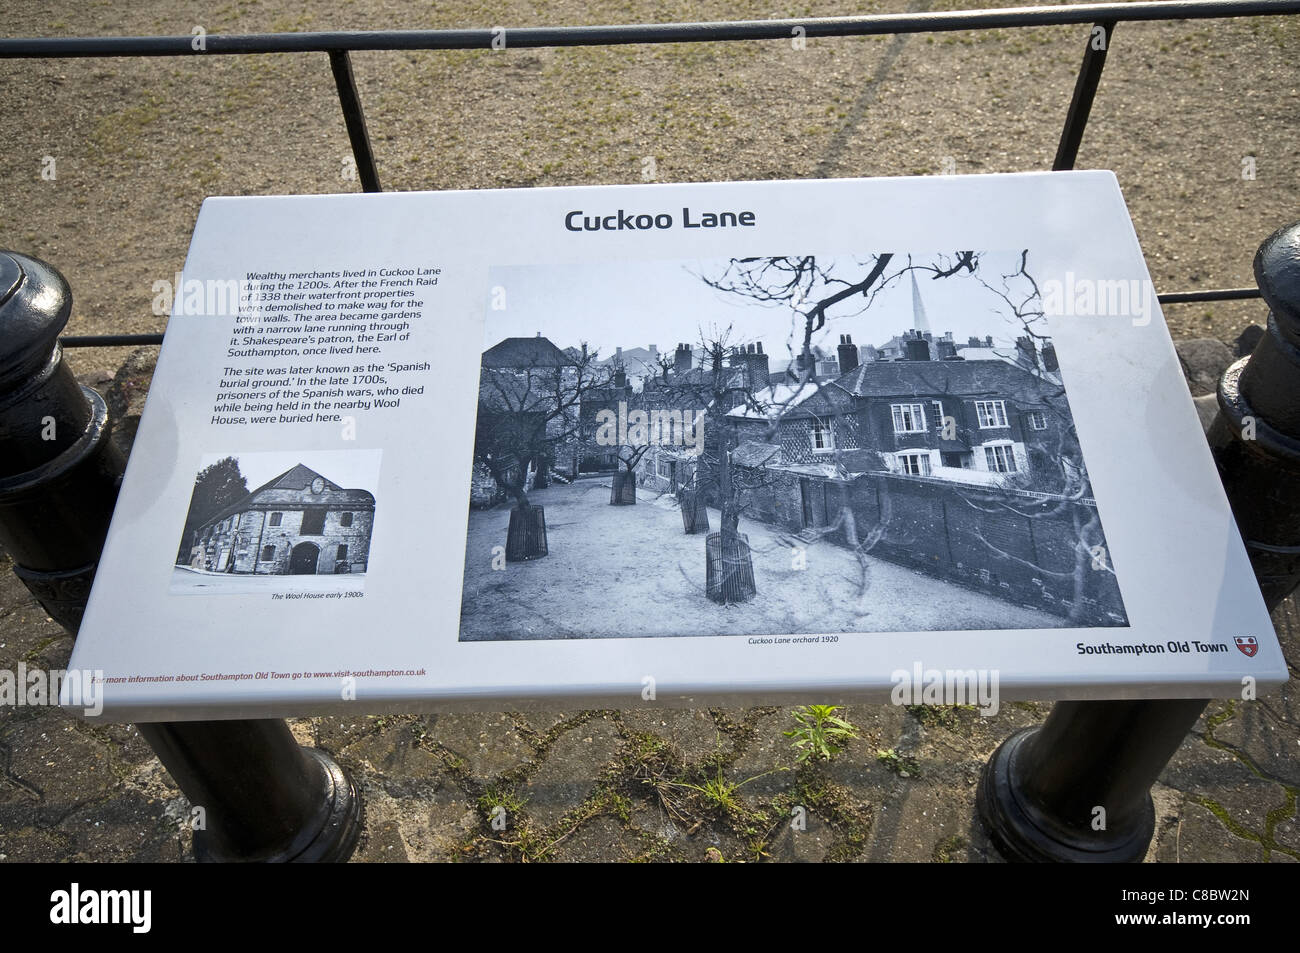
point(139, 142)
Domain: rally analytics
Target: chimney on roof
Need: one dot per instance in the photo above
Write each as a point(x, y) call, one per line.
point(654, 354)
point(973, 341)
point(848, 353)
point(756, 367)
point(916, 349)
point(805, 366)
point(682, 359)
point(1050, 362)
point(539, 333)
point(620, 378)
point(1027, 351)
point(945, 349)
point(988, 340)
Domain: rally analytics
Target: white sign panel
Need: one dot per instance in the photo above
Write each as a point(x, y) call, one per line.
point(670, 444)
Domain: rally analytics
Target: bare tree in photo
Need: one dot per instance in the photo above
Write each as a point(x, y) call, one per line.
point(215, 487)
point(817, 290)
point(525, 415)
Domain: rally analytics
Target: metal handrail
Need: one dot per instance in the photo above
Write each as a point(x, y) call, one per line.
point(339, 44)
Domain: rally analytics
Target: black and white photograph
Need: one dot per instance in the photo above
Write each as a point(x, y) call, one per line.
point(269, 522)
point(771, 445)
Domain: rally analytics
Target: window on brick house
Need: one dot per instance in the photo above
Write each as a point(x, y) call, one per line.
point(915, 464)
point(1000, 458)
point(822, 436)
point(345, 519)
point(275, 518)
point(991, 413)
point(908, 418)
point(268, 553)
point(1037, 420)
point(937, 407)
point(343, 551)
point(313, 523)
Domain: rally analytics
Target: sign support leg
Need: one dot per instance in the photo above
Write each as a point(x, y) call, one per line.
point(1041, 791)
point(264, 798)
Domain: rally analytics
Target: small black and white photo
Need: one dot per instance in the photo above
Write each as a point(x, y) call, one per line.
point(278, 521)
point(808, 444)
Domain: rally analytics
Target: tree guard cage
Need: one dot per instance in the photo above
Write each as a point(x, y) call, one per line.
point(1101, 18)
point(526, 534)
point(622, 490)
point(729, 576)
point(695, 516)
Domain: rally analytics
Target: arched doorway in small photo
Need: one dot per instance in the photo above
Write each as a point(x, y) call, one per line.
point(303, 559)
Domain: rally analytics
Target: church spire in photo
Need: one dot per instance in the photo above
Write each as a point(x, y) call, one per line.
point(919, 321)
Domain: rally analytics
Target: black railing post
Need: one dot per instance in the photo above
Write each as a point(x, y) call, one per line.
point(1085, 90)
point(1040, 790)
point(263, 796)
point(355, 120)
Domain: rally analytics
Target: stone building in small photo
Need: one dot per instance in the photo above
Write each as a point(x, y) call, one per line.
point(297, 524)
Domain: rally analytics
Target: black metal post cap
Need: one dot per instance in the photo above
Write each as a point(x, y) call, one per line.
point(35, 302)
point(1277, 272)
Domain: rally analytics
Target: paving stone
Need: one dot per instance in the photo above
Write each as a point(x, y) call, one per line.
point(46, 755)
point(808, 846)
point(929, 814)
point(601, 839)
point(1273, 745)
point(1286, 832)
point(128, 745)
point(125, 827)
point(28, 845)
point(431, 827)
point(336, 732)
point(769, 758)
point(650, 817)
point(1205, 772)
point(1198, 835)
point(383, 844)
point(692, 732)
point(570, 770)
point(489, 744)
point(397, 761)
point(701, 846)
point(544, 721)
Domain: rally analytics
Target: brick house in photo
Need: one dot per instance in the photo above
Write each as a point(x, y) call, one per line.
point(300, 523)
point(966, 470)
point(989, 423)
